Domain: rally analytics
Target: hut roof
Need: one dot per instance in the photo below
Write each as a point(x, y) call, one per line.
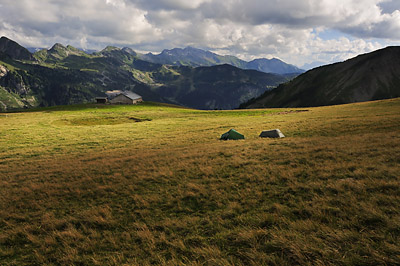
point(131, 95)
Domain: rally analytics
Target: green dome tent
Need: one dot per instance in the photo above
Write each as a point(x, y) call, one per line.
point(232, 134)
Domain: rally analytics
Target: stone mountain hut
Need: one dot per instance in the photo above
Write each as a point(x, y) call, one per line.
point(120, 97)
point(126, 97)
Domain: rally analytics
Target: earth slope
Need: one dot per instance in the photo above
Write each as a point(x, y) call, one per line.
point(371, 76)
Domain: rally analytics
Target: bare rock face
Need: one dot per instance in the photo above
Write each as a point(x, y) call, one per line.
point(3, 71)
point(12, 81)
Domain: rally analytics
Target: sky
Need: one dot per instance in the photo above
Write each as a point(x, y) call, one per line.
point(299, 32)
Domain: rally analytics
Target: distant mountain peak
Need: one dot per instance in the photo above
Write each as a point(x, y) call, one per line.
point(129, 51)
point(57, 52)
point(58, 46)
point(74, 49)
point(110, 48)
point(111, 51)
point(63, 50)
point(14, 50)
point(273, 65)
point(191, 48)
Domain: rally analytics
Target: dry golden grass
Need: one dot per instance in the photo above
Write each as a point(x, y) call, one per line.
point(89, 185)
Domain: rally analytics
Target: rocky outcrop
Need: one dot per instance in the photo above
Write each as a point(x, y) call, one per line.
point(3, 71)
point(12, 82)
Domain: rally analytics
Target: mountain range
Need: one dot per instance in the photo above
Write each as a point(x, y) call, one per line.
point(190, 56)
point(370, 76)
point(67, 75)
point(195, 57)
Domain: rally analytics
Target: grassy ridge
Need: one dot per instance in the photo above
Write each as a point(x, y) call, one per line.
point(152, 184)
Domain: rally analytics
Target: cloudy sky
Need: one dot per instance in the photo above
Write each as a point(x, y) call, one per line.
point(297, 31)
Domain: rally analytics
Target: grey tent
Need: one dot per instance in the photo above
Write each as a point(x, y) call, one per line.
point(231, 134)
point(274, 133)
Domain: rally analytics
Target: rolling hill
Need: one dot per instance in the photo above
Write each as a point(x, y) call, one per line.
point(366, 77)
point(66, 75)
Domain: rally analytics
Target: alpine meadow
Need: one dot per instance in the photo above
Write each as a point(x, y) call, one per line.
point(152, 184)
point(200, 133)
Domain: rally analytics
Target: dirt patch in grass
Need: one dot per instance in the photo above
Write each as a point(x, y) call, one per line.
point(290, 112)
point(98, 121)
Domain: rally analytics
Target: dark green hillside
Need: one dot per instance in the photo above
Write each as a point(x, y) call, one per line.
point(217, 87)
point(66, 75)
point(366, 77)
point(38, 85)
point(14, 50)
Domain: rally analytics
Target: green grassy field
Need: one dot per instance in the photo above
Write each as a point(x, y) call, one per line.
point(152, 185)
